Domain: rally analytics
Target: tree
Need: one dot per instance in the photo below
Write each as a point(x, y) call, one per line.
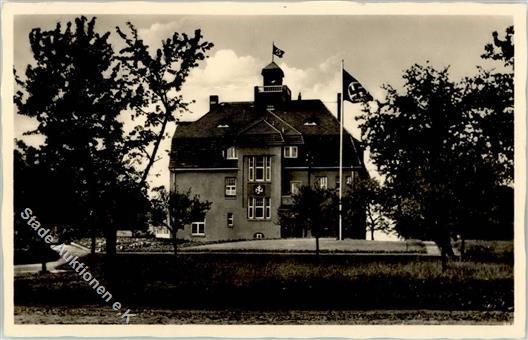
point(502, 50)
point(156, 81)
point(312, 209)
point(488, 99)
point(412, 138)
point(183, 207)
point(368, 197)
point(443, 147)
point(76, 94)
point(79, 90)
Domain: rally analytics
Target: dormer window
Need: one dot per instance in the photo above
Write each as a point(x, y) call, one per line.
point(291, 152)
point(231, 153)
point(222, 126)
point(270, 108)
point(310, 123)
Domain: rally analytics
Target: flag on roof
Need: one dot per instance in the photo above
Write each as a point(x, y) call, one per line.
point(277, 51)
point(353, 91)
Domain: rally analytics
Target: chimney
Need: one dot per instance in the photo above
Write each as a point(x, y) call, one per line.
point(213, 101)
point(299, 97)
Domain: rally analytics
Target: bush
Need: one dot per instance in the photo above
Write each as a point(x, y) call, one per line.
point(481, 250)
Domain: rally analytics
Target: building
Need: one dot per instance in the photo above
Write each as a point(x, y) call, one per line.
point(248, 158)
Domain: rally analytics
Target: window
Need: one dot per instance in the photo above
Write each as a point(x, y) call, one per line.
point(321, 182)
point(259, 168)
point(251, 167)
point(198, 228)
point(290, 152)
point(231, 153)
point(230, 220)
point(230, 186)
point(295, 186)
point(268, 168)
point(348, 181)
point(259, 208)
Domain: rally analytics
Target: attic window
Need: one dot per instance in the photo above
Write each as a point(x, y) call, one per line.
point(231, 153)
point(222, 126)
point(310, 123)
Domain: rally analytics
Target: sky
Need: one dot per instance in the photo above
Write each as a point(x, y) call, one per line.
point(375, 49)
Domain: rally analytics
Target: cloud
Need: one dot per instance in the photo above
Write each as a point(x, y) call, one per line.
point(155, 33)
point(225, 74)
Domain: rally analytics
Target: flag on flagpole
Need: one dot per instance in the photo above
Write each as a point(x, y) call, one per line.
point(353, 91)
point(277, 51)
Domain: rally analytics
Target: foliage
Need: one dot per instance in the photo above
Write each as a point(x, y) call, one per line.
point(488, 99)
point(443, 148)
point(312, 211)
point(183, 208)
point(412, 138)
point(79, 91)
point(155, 82)
point(501, 49)
point(75, 93)
point(366, 196)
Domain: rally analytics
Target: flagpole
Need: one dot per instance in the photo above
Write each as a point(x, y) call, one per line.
point(341, 156)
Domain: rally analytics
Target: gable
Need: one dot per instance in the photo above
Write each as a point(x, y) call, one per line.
point(260, 132)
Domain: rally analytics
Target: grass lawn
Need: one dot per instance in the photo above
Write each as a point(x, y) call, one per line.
point(279, 282)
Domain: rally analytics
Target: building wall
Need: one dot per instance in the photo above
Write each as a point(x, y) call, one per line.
point(210, 185)
point(304, 176)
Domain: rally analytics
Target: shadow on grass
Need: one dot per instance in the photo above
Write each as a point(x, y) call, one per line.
point(265, 281)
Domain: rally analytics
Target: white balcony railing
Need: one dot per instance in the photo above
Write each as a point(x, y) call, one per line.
point(270, 88)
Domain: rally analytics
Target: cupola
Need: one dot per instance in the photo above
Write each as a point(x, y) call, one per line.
point(272, 74)
point(273, 93)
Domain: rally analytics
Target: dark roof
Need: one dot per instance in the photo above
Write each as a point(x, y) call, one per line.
point(227, 119)
point(307, 123)
point(272, 68)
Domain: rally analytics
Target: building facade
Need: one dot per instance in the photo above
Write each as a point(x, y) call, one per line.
point(249, 158)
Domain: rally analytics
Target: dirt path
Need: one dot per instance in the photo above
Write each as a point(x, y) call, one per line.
point(105, 315)
point(74, 249)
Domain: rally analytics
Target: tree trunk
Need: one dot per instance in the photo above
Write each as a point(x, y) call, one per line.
point(444, 259)
point(446, 250)
point(93, 244)
point(462, 247)
point(44, 268)
point(111, 240)
point(372, 233)
point(317, 245)
point(175, 241)
point(157, 143)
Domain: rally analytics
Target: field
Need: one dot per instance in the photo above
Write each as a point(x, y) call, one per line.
point(293, 288)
